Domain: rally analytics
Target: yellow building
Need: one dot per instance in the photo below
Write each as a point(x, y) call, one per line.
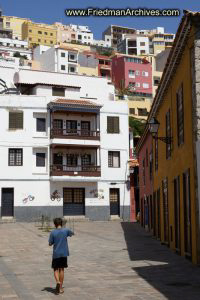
point(39, 34)
point(15, 24)
point(139, 107)
point(175, 176)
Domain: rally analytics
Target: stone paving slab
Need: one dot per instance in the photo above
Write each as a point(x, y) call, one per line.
point(108, 261)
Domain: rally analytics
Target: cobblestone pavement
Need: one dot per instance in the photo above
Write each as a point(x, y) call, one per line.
point(108, 261)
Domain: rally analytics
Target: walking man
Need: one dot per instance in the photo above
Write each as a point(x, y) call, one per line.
point(58, 238)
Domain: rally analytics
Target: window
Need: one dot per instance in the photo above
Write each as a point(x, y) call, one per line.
point(113, 159)
point(144, 73)
point(51, 42)
point(46, 33)
point(58, 91)
point(51, 34)
point(142, 51)
point(30, 30)
point(15, 120)
point(131, 74)
point(15, 157)
point(62, 54)
point(63, 67)
point(168, 134)
point(79, 37)
point(112, 124)
point(41, 124)
point(147, 158)
point(137, 84)
point(72, 160)
point(137, 73)
point(40, 159)
point(143, 171)
point(39, 40)
point(30, 39)
point(72, 70)
point(39, 32)
point(132, 111)
point(72, 57)
point(142, 112)
point(150, 166)
point(7, 24)
point(145, 85)
point(180, 115)
point(142, 43)
point(86, 160)
point(156, 154)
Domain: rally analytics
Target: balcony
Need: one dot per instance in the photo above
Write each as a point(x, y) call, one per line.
point(80, 170)
point(75, 134)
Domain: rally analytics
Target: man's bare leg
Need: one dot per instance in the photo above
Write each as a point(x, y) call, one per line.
point(56, 275)
point(61, 277)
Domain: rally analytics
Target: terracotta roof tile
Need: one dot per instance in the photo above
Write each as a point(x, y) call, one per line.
point(70, 102)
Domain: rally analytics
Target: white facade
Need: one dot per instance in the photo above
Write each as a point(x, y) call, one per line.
point(55, 59)
point(8, 47)
point(33, 186)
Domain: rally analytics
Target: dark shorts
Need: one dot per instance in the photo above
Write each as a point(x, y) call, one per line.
point(59, 263)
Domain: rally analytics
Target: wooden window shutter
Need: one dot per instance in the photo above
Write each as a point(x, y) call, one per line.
point(15, 120)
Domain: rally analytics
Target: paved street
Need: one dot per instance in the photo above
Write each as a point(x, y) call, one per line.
point(109, 260)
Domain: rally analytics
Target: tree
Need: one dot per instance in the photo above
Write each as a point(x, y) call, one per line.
point(137, 126)
point(17, 54)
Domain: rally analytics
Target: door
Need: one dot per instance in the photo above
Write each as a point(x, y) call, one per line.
point(71, 127)
point(165, 210)
point(73, 201)
point(7, 202)
point(114, 202)
point(58, 127)
point(177, 212)
point(85, 128)
point(187, 214)
point(158, 214)
point(58, 161)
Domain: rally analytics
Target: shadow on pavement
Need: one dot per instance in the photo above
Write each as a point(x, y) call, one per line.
point(50, 290)
point(172, 275)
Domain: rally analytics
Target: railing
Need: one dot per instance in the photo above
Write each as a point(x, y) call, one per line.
point(75, 134)
point(79, 170)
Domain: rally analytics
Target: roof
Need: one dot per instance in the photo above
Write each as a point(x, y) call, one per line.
point(74, 103)
point(173, 62)
point(133, 163)
point(33, 77)
point(67, 48)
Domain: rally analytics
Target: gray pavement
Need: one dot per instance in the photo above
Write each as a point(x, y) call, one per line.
point(108, 261)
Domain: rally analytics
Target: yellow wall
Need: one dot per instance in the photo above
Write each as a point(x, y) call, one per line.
point(182, 156)
point(30, 31)
point(138, 102)
point(88, 71)
point(15, 25)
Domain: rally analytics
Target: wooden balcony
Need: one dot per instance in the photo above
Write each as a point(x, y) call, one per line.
point(81, 170)
point(75, 134)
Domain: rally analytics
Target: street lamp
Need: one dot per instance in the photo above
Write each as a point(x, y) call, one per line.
point(153, 129)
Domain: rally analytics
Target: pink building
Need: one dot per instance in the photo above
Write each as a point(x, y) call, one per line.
point(145, 157)
point(133, 72)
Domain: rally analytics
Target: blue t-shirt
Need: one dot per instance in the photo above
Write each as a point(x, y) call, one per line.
point(58, 238)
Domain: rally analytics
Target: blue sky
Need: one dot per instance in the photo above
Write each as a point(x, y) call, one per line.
point(50, 11)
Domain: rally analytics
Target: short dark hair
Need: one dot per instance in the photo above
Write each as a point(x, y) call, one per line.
point(58, 222)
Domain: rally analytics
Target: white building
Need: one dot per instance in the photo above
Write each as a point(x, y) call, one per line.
point(83, 34)
point(57, 59)
point(60, 150)
point(8, 47)
point(133, 44)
